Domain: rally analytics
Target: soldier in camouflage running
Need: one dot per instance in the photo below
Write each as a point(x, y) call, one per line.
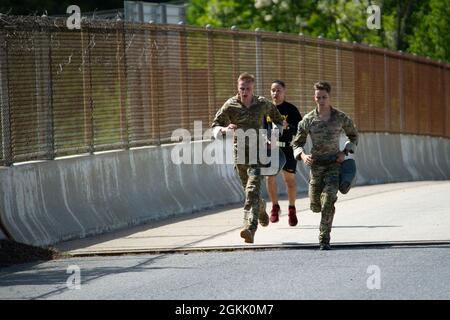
point(324, 125)
point(246, 111)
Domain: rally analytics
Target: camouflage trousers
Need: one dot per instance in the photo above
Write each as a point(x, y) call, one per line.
point(323, 188)
point(254, 204)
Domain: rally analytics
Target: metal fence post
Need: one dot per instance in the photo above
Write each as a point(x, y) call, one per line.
point(445, 83)
point(338, 74)
point(281, 56)
point(235, 52)
point(7, 150)
point(184, 78)
point(87, 92)
point(211, 81)
point(401, 101)
point(371, 98)
point(154, 83)
point(121, 60)
point(416, 84)
point(259, 62)
point(356, 93)
point(303, 91)
point(320, 54)
point(387, 104)
point(50, 130)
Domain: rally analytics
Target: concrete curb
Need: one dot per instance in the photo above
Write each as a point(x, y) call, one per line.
point(312, 246)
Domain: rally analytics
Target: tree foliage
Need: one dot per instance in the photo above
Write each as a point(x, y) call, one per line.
point(431, 33)
point(416, 26)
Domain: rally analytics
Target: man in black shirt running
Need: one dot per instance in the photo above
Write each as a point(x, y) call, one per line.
point(291, 117)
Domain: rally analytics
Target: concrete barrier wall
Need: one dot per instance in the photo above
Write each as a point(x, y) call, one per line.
point(47, 202)
point(392, 158)
point(385, 158)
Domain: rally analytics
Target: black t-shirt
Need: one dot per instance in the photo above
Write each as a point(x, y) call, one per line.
point(290, 113)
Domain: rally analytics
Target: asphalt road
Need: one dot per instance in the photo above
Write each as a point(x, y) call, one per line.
point(402, 272)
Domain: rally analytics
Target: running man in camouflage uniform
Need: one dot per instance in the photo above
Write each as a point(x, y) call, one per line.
point(324, 125)
point(246, 111)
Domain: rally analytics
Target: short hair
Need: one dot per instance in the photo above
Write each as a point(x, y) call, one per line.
point(247, 77)
point(322, 85)
point(281, 83)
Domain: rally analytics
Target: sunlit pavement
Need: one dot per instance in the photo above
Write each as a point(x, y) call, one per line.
point(397, 213)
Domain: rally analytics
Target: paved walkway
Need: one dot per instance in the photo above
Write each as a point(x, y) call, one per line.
point(378, 214)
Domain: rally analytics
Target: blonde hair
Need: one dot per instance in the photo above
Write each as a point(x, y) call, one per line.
point(247, 77)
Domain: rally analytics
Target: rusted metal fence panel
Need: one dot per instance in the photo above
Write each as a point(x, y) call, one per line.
point(290, 72)
point(138, 49)
point(362, 73)
point(72, 100)
point(392, 99)
point(5, 132)
point(330, 72)
point(434, 104)
point(409, 93)
point(271, 54)
point(377, 96)
point(116, 85)
point(346, 81)
point(198, 90)
point(223, 66)
point(28, 70)
point(446, 95)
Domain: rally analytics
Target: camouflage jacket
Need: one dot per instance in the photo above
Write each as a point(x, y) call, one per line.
point(325, 135)
point(247, 119)
point(233, 111)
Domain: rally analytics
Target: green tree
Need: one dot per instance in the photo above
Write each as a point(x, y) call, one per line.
point(419, 26)
point(431, 33)
point(333, 19)
point(222, 13)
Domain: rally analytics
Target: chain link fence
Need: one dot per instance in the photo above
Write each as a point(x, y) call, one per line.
point(118, 85)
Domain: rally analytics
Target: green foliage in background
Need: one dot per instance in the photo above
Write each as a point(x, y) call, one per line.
point(415, 26)
point(431, 33)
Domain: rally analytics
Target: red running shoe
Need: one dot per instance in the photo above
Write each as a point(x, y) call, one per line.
point(275, 213)
point(292, 216)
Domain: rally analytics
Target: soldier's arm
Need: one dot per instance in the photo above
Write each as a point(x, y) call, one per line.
point(299, 141)
point(220, 122)
point(352, 134)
